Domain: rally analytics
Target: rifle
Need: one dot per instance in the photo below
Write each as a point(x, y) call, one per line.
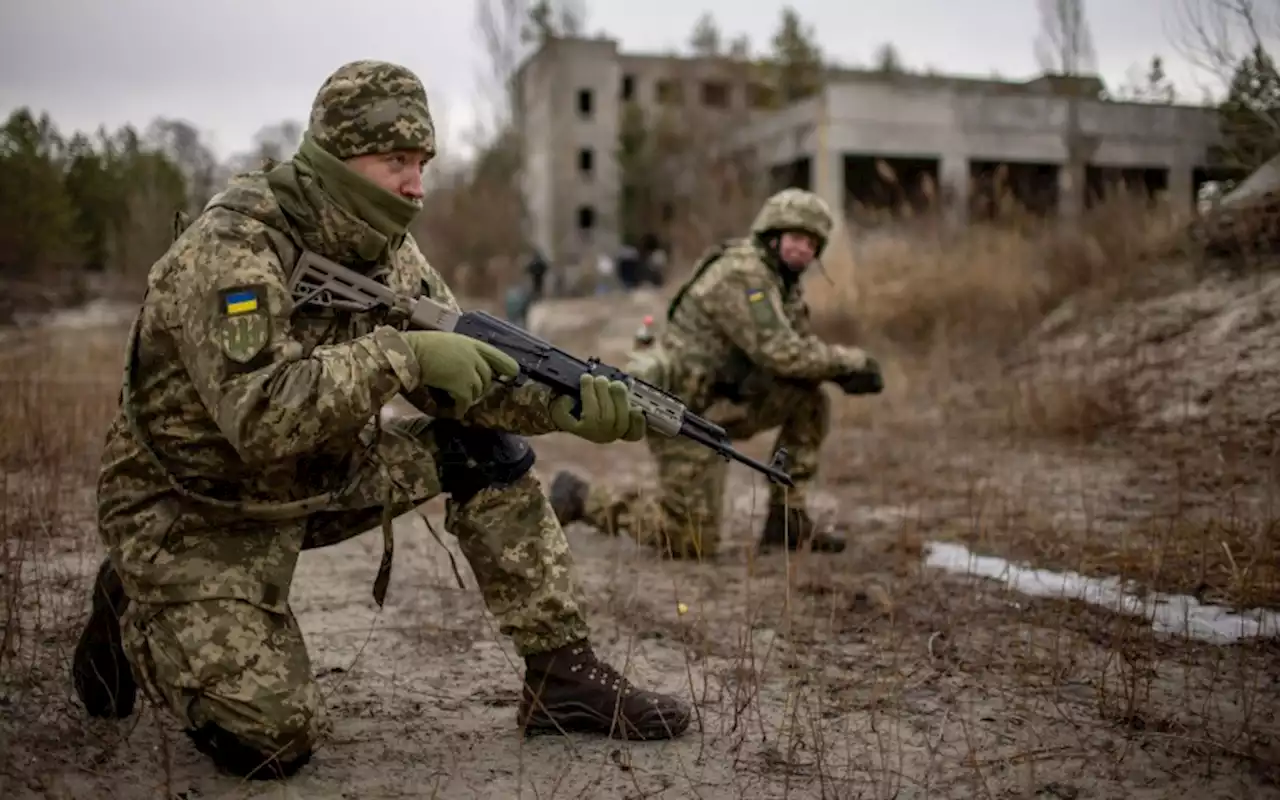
point(319, 281)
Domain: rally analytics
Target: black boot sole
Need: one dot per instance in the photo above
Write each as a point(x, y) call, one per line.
point(579, 718)
point(102, 675)
point(830, 549)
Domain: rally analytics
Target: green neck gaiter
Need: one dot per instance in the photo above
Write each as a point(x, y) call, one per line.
point(385, 212)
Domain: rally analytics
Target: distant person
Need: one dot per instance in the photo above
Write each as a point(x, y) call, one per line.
point(249, 431)
point(536, 269)
point(737, 348)
point(656, 267)
point(604, 274)
point(628, 267)
point(518, 299)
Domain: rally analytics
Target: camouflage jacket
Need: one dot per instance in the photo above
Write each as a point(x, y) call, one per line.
point(254, 415)
point(735, 324)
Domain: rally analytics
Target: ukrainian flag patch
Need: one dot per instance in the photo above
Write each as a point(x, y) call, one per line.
point(755, 295)
point(240, 301)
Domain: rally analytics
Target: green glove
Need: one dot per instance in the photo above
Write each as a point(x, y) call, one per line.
point(867, 380)
point(459, 365)
point(606, 414)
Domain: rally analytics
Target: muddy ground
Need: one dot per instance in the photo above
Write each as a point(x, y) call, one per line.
point(862, 675)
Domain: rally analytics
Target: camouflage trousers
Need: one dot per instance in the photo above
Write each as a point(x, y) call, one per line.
point(684, 516)
point(245, 668)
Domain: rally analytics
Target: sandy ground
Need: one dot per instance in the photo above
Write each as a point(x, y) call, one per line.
point(863, 675)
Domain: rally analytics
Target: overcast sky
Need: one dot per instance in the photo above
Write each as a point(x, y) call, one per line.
point(231, 66)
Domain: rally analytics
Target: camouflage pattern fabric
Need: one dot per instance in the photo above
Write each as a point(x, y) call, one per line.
point(372, 107)
point(742, 320)
point(262, 411)
point(738, 348)
point(249, 430)
point(683, 516)
point(796, 210)
point(245, 668)
point(231, 664)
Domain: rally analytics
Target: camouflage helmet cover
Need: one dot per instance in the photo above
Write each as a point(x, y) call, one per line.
point(368, 107)
point(795, 209)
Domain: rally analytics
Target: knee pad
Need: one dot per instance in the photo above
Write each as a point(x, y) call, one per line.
point(473, 459)
point(242, 759)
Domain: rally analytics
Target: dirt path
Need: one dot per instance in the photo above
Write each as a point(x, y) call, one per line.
point(863, 675)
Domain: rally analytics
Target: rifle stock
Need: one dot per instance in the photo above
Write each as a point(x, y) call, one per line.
point(319, 281)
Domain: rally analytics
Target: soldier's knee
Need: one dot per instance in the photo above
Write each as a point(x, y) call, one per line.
point(270, 738)
point(263, 755)
point(474, 459)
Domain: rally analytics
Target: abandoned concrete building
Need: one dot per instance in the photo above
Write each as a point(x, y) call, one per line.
point(1049, 142)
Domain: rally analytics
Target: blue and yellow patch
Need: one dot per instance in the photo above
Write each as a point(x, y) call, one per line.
point(244, 325)
point(761, 308)
point(240, 301)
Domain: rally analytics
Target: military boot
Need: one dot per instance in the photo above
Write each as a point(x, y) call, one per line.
point(103, 679)
point(571, 690)
point(793, 527)
point(568, 497)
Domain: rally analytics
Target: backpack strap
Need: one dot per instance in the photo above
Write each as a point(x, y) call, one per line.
point(708, 258)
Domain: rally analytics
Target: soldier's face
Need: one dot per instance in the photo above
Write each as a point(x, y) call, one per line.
point(399, 172)
point(797, 249)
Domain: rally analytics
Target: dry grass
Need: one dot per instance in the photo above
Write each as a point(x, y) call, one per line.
point(59, 399)
point(1031, 336)
point(940, 292)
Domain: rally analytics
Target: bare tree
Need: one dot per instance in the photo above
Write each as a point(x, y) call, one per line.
point(1065, 44)
point(548, 18)
point(1217, 35)
point(684, 181)
point(1152, 86)
point(277, 141)
point(1233, 42)
point(1065, 48)
point(502, 26)
point(183, 144)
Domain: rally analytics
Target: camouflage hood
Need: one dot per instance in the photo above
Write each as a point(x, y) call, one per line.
point(289, 200)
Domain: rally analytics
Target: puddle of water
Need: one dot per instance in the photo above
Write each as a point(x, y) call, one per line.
point(1175, 614)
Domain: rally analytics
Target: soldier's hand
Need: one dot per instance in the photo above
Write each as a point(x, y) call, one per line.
point(459, 365)
point(867, 380)
point(606, 414)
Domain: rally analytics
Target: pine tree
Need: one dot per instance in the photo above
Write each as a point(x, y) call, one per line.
point(797, 59)
point(706, 39)
point(1250, 115)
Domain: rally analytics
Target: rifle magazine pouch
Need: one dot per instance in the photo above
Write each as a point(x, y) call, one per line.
point(473, 459)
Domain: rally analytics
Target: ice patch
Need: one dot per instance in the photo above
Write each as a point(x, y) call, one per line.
point(1175, 614)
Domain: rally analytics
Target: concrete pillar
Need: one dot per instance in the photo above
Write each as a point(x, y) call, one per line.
point(1071, 189)
point(827, 179)
point(1180, 193)
point(953, 182)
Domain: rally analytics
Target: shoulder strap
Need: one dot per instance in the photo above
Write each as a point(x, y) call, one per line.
point(708, 258)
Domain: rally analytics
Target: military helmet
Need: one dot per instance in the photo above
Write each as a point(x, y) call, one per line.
point(792, 210)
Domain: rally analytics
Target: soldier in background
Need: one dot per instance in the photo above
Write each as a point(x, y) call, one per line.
point(737, 349)
point(536, 269)
point(249, 430)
